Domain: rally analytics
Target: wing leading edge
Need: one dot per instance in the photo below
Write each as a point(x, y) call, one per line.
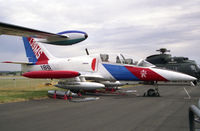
point(68, 38)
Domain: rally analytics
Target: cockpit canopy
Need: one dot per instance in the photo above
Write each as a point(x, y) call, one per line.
point(144, 63)
point(120, 59)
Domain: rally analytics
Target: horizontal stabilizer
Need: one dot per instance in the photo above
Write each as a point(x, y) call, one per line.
point(17, 62)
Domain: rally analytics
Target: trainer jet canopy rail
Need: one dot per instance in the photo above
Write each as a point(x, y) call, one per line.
point(124, 59)
point(62, 38)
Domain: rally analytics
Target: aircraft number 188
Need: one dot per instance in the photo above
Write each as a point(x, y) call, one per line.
point(45, 67)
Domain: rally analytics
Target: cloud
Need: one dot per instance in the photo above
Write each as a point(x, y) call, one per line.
point(134, 27)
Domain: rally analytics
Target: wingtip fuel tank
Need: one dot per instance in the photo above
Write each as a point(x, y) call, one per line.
point(51, 74)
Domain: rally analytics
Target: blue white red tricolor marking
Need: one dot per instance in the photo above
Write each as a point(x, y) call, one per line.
point(34, 52)
point(130, 73)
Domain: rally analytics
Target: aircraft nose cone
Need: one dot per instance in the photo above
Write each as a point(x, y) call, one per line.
point(192, 78)
point(184, 77)
point(175, 76)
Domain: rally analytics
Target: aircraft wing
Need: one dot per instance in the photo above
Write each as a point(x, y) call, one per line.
point(63, 38)
point(15, 30)
point(91, 76)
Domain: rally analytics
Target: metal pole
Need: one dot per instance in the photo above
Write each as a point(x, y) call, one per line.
point(193, 111)
point(191, 120)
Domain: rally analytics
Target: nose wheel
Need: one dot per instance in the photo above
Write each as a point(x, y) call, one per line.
point(152, 92)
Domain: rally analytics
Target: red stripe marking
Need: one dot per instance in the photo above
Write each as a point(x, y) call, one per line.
point(40, 55)
point(145, 74)
point(7, 62)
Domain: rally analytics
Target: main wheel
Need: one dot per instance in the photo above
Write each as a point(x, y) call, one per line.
point(151, 92)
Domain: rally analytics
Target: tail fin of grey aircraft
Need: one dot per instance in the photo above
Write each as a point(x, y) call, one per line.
point(36, 52)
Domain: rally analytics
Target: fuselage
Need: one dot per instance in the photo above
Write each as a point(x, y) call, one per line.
point(112, 71)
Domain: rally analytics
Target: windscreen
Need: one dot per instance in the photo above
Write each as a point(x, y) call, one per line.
point(144, 63)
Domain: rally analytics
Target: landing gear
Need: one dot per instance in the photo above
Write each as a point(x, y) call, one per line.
point(152, 92)
point(195, 83)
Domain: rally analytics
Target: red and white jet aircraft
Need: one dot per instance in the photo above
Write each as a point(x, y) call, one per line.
point(106, 71)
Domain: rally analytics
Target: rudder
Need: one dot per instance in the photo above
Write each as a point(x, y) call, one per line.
point(35, 52)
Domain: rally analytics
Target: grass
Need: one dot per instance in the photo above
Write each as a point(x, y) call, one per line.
point(15, 90)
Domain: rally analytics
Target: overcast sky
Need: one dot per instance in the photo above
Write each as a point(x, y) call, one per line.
point(133, 27)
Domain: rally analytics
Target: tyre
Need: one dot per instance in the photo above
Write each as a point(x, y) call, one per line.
point(151, 92)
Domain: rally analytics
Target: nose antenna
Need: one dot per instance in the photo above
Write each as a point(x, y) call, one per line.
point(87, 51)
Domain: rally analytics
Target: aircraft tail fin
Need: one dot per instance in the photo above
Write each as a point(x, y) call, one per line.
point(36, 52)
